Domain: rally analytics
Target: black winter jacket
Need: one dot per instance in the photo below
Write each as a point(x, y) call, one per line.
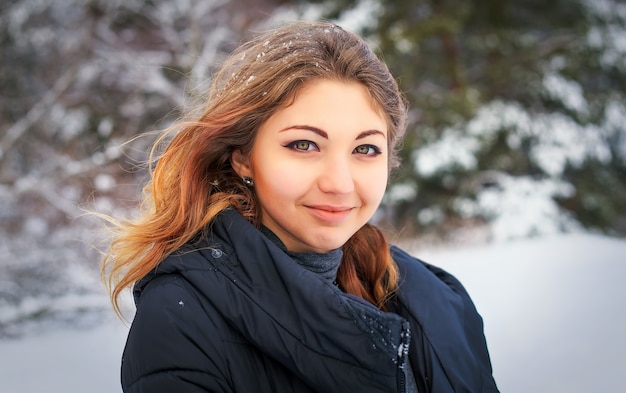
point(234, 313)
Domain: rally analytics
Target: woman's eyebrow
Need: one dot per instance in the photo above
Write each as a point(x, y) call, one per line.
point(323, 133)
point(367, 133)
point(308, 128)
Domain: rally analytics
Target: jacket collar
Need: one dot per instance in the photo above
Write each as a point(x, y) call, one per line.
point(333, 341)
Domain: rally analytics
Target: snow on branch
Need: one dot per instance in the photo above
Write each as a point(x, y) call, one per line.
point(17, 130)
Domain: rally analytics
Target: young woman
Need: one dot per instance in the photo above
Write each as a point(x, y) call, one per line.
point(253, 266)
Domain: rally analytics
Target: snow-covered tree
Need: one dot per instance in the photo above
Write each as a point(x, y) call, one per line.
point(518, 113)
point(81, 80)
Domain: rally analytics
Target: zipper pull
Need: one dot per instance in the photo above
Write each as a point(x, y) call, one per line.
point(403, 356)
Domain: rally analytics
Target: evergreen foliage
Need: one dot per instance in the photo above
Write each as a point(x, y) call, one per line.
point(514, 104)
point(517, 116)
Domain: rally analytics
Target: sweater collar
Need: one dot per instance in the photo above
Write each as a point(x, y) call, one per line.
point(323, 264)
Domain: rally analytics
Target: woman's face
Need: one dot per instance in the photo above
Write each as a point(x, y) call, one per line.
point(319, 166)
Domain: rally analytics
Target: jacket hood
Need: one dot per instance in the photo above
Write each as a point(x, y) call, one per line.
point(288, 312)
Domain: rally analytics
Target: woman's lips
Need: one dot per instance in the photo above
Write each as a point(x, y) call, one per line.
point(331, 214)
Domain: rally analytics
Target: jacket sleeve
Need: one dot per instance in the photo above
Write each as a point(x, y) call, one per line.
point(172, 345)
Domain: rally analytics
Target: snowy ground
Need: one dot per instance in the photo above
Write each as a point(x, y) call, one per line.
point(554, 311)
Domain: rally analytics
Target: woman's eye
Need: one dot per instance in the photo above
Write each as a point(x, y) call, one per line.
point(302, 145)
point(368, 150)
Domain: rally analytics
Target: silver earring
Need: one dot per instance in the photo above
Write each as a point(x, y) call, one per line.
point(248, 181)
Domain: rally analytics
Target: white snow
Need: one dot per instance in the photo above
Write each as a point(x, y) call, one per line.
point(104, 182)
point(553, 309)
point(567, 91)
point(400, 192)
point(365, 13)
point(64, 361)
point(558, 140)
point(453, 149)
point(521, 206)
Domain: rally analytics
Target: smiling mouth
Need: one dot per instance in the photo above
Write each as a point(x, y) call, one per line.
point(331, 209)
point(331, 214)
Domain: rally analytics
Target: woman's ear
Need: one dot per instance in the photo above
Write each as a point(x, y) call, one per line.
point(240, 163)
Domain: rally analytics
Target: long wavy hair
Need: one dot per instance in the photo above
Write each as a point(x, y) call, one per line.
point(193, 180)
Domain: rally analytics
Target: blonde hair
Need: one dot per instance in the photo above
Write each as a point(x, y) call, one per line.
point(193, 179)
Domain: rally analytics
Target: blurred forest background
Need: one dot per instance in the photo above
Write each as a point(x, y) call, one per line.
point(517, 124)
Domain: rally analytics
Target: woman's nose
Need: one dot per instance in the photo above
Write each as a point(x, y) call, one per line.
point(336, 177)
